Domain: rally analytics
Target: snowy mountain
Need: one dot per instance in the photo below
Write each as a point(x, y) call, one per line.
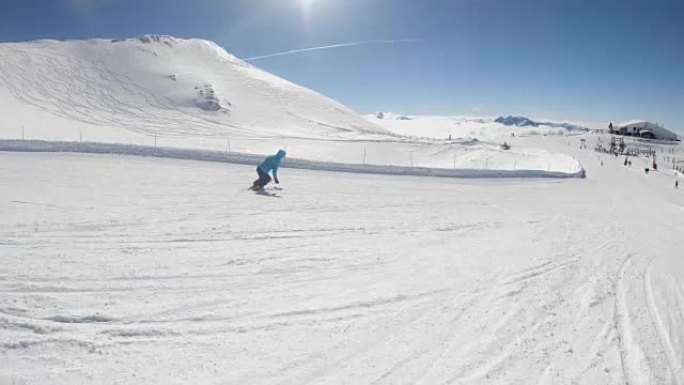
point(521, 121)
point(391, 116)
point(517, 121)
point(160, 85)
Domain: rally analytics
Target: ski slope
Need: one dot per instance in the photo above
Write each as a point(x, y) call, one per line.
point(192, 94)
point(121, 269)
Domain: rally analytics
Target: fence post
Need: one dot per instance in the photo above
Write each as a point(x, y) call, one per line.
point(22, 132)
point(229, 145)
point(454, 160)
point(411, 155)
point(155, 139)
point(364, 155)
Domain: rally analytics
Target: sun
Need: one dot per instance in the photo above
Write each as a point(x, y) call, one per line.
point(307, 8)
point(307, 3)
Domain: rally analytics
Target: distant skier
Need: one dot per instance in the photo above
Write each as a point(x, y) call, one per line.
point(269, 164)
point(676, 184)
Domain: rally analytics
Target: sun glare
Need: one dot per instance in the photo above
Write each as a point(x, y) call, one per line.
point(306, 7)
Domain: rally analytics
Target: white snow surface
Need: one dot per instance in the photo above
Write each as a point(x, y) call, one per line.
point(161, 90)
point(152, 85)
point(498, 170)
point(123, 269)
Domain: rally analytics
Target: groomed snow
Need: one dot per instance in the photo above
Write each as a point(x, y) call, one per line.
point(121, 269)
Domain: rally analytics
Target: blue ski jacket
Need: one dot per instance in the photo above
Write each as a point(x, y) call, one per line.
point(272, 163)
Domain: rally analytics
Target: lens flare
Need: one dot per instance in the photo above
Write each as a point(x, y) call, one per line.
point(307, 9)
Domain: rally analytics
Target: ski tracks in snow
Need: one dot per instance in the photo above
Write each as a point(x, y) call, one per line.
point(650, 339)
point(317, 288)
point(668, 329)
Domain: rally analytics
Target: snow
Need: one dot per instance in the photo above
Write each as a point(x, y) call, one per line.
point(482, 128)
point(191, 94)
point(464, 169)
point(170, 271)
point(128, 85)
point(131, 250)
point(632, 122)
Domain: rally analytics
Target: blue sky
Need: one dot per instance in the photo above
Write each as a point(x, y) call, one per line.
point(560, 59)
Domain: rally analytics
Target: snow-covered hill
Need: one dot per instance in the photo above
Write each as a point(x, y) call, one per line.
point(168, 92)
point(159, 85)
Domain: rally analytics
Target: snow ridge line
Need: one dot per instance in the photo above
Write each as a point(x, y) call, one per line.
point(253, 159)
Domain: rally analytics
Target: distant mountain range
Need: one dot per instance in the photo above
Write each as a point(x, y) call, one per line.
point(391, 116)
point(521, 121)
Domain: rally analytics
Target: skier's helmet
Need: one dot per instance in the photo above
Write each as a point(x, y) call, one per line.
point(282, 153)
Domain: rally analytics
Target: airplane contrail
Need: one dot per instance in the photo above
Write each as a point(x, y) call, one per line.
point(350, 44)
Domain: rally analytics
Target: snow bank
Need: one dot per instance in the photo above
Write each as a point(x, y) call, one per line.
point(252, 159)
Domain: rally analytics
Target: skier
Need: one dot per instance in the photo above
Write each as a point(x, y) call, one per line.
point(271, 163)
